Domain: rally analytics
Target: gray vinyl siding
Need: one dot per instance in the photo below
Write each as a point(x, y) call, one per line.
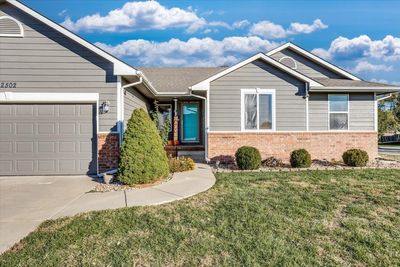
point(47, 61)
point(306, 66)
point(318, 112)
point(361, 112)
point(133, 100)
point(225, 94)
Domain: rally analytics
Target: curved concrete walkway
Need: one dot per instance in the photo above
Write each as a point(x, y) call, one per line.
point(182, 185)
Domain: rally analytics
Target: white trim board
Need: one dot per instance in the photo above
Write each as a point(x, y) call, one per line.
point(48, 97)
point(205, 84)
point(313, 57)
point(120, 67)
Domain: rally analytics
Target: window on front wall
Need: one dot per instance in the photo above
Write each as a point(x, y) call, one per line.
point(257, 109)
point(338, 112)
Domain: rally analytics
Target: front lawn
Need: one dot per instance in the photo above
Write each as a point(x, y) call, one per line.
point(347, 217)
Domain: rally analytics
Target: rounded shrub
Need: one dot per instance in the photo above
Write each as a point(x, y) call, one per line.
point(248, 158)
point(300, 159)
point(355, 157)
point(142, 158)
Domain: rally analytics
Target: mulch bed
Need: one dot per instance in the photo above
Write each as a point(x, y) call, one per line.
point(115, 185)
point(380, 163)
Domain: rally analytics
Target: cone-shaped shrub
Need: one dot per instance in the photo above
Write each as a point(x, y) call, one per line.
point(143, 158)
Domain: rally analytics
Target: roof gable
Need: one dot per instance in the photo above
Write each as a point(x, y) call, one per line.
point(120, 67)
point(315, 59)
point(205, 84)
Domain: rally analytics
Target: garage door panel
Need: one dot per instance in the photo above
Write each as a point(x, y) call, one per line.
point(6, 128)
point(47, 139)
point(24, 128)
point(25, 166)
point(46, 128)
point(47, 166)
point(6, 147)
point(6, 166)
point(27, 110)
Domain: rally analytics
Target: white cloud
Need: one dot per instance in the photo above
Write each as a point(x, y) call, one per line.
point(62, 13)
point(268, 29)
point(134, 16)
point(240, 24)
point(298, 28)
point(146, 15)
point(193, 52)
point(365, 66)
point(387, 49)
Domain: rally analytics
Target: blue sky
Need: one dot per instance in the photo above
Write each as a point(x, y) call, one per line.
point(361, 36)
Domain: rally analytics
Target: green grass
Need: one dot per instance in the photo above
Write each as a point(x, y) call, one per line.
point(323, 218)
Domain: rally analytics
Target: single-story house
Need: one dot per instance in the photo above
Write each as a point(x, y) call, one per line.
point(64, 102)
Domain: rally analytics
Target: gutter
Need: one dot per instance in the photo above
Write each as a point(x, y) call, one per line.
point(383, 98)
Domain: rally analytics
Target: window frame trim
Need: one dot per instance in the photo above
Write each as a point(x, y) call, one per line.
point(339, 112)
point(257, 91)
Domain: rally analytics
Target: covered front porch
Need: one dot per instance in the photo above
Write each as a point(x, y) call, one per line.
point(186, 116)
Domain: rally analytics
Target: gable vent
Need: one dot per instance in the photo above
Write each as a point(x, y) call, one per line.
point(289, 62)
point(10, 27)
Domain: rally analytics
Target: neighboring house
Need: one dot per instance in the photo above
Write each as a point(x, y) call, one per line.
point(64, 102)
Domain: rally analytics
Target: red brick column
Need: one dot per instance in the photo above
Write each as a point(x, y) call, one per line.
point(108, 151)
point(321, 145)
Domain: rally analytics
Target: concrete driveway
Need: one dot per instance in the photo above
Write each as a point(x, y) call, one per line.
point(26, 201)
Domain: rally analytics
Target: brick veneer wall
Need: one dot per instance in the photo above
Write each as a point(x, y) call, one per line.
point(321, 145)
point(108, 151)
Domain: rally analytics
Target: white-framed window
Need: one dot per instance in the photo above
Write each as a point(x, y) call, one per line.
point(338, 112)
point(258, 109)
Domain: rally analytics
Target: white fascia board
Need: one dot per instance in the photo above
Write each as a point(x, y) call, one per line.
point(48, 97)
point(120, 68)
point(355, 89)
point(314, 58)
point(205, 85)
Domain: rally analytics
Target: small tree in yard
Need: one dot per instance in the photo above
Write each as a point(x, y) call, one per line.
point(143, 158)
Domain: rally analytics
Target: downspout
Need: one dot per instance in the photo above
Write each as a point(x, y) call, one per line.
point(206, 123)
point(307, 107)
point(122, 103)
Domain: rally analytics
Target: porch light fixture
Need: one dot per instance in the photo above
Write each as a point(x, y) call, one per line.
point(105, 107)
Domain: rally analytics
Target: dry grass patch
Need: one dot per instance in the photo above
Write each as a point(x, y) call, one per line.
point(310, 218)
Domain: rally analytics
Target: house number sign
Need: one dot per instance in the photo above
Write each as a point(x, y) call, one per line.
point(8, 85)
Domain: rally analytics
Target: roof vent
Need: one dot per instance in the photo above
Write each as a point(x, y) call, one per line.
point(288, 61)
point(10, 27)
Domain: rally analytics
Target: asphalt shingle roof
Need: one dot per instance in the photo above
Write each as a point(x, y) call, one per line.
point(177, 79)
point(328, 82)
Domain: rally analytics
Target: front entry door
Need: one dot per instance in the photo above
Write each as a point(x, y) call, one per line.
point(190, 122)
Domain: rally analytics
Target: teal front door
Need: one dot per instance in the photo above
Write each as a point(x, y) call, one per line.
point(190, 122)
